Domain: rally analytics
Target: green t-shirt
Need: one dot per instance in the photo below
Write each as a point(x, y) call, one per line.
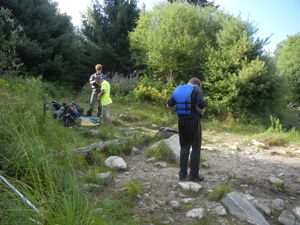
point(105, 99)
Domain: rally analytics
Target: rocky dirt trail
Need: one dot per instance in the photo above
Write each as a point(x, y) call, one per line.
point(229, 158)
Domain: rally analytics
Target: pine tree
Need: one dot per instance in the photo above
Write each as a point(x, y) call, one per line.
point(48, 44)
point(105, 33)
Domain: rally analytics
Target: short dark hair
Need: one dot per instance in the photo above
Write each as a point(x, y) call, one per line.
point(195, 81)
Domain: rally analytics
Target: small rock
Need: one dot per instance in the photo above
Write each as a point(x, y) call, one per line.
point(106, 177)
point(98, 210)
point(297, 180)
point(287, 218)
point(220, 210)
point(274, 180)
point(91, 187)
point(264, 208)
point(250, 198)
point(187, 200)
point(135, 151)
point(207, 148)
point(153, 159)
point(186, 186)
point(161, 164)
point(297, 152)
point(196, 213)
point(236, 147)
point(174, 204)
point(205, 164)
point(153, 125)
point(295, 187)
point(296, 211)
point(138, 196)
point(146, 196)
point(94, 133)
point(222, 221)
point(115, 162)
point(278, 204)
point(257, 143)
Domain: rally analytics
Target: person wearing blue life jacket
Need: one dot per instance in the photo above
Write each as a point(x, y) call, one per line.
point(190, 105)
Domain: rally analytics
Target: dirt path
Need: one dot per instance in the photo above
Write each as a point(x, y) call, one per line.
point(247, 168)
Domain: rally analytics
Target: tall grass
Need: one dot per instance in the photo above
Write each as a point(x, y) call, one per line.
point(36, 156)
point(275, 135)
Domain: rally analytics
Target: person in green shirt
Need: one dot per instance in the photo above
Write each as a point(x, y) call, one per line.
point(105, 99)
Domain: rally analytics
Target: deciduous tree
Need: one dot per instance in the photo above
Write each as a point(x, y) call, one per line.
point(288, 64)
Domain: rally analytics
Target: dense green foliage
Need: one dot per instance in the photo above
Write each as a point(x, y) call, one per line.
point(202, 3)
point(240, 79)
point(173, 39)
point(185, 41)
point(48, 43)
point(105, 34)
point(288, 64)
point(9, 38)
point(171, 44)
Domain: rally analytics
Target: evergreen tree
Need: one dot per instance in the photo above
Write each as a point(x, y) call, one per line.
point(105, 34)
point(48, 45)
point(9, 38)
point(288, 65)
point(240, 78)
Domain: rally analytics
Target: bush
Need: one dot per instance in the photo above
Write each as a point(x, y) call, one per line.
point(122, 87)
point(219, 192)
point(153, 91)
point(134, 188)
point(277, 136)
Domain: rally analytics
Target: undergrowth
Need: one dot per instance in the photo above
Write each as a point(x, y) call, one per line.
point(37, 157)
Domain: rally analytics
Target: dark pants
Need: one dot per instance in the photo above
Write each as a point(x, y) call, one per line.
point(94, 102)
point(190, 135)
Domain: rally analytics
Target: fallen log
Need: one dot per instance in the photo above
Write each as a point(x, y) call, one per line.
point(104, 145)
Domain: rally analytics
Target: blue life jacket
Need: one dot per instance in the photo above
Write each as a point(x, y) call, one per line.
point(182, 97)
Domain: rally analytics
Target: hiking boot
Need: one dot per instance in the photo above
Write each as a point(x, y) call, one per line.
point(182, 177)
point(89, 113)
point(198, 178)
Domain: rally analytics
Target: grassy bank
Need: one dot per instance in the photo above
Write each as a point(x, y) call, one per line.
point(37, 158)
point(37, 154)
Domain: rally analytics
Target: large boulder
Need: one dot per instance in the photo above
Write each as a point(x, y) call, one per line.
point(170, 145)
point(239, 206)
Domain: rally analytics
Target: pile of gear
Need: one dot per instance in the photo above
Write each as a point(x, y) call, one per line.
point(66, 113)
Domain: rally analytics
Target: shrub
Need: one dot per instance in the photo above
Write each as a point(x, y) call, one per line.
point(220, 191)
point(154, 91)
point(134, 188)
point(122, 87)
